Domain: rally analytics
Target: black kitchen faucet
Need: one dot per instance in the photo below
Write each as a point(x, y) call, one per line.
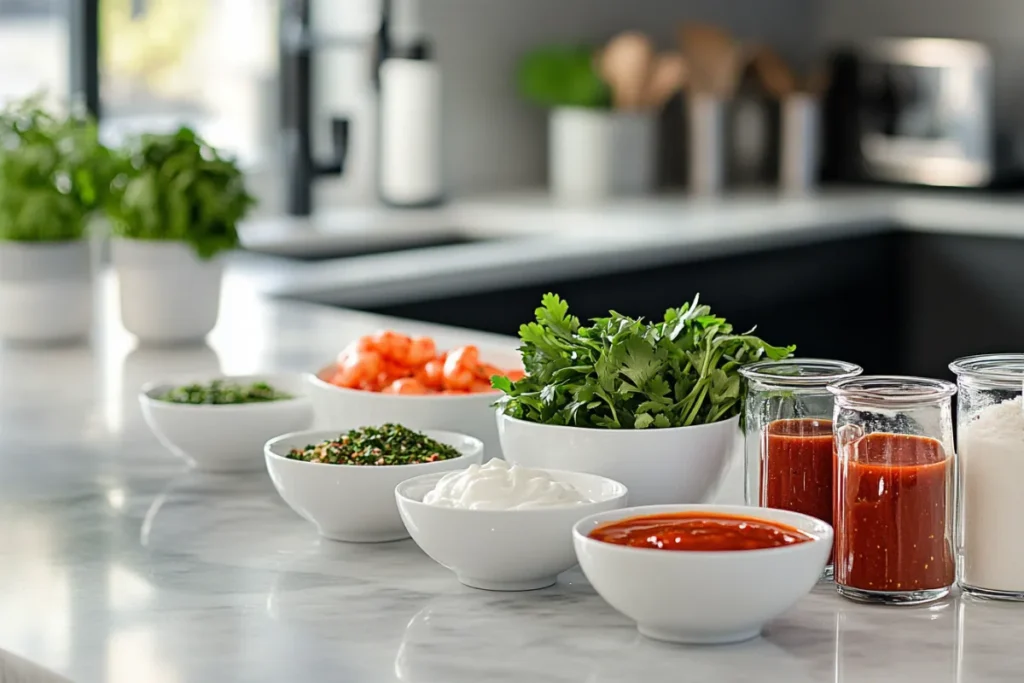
point(297, 46)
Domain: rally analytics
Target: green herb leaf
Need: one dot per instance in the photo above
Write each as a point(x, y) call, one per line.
point(562, 77)
point(178, 187)
point(621, 372)
point(54, 173)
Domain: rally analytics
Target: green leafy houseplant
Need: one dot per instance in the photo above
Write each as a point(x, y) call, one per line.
point(176, 187)
point(562, 77)
point(54, 173)
point(625, 373)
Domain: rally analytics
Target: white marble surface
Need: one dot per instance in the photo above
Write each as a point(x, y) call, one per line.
point(526, 237)
point(117, 564)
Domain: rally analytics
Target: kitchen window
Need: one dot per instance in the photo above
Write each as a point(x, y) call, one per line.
point(34, 48)
point(209, 64)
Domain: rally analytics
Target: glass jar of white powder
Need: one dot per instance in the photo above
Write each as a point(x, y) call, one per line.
point(990, 445)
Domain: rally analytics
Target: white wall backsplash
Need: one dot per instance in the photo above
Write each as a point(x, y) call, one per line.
point(493, 140)
point(996, 23)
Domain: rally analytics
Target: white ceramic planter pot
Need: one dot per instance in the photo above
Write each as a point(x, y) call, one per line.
point(168, 294)
point(45, 291)
point(594, 154)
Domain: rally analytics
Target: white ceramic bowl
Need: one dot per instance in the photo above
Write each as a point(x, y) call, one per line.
point(225, 438)
point(354, 503)
point(471, 414)
point(658, 466)
point(504, 550)
point(703, 597)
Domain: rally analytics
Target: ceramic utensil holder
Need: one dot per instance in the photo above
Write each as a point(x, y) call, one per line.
point(595, 154)
point(799, 154)
point(706, 141)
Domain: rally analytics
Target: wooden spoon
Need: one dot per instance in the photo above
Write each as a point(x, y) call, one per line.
point(625, 65)
point(714, 58)
point(819, 80)
point(668, 76)
point(776, 77)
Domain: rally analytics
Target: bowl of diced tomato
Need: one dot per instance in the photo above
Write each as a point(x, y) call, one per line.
point(392, 377)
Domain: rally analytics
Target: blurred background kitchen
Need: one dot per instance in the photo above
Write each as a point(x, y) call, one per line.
point(824, 166)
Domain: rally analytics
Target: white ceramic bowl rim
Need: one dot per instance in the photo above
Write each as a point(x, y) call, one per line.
point(598, 430)
point(819, 531)
point(146, 393)
point(314, 377)
point(477, 446)
point(619, 490)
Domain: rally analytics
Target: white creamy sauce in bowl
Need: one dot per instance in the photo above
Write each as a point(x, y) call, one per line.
point(500, 486)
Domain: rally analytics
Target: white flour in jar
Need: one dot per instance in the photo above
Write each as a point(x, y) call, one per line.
point(992, 466)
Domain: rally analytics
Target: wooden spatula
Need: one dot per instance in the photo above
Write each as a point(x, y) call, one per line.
point(625, 65)
point(668, 76)
point(714, 58)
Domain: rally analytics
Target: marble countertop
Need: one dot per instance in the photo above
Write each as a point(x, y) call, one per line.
point(117, 564)
point(518, 238)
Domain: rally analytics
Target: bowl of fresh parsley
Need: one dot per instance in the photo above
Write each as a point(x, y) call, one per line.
point(654, 405)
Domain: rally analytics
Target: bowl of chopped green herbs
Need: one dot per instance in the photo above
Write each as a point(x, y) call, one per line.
point(343, 480)
point(221, 423)
point(654, 405)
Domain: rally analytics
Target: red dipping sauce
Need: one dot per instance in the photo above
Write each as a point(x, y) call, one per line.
point(798, 467)
point(700, 531)
point(893, 528)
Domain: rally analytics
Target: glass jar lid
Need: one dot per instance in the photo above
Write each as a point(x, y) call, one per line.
point(800, 372)
point(1004, 370)
point(891, 391)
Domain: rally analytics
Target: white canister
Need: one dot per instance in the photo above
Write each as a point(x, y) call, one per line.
point(168, 294)
point(990, 447)
point(800, 144)
point(705, 117)
point(594, 154)
point(45, 291)
point(410, 171)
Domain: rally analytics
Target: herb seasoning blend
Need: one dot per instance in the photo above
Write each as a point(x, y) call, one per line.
point(389, 444)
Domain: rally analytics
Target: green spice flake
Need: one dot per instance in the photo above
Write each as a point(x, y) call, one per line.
point(389, 444)
point(220, 392)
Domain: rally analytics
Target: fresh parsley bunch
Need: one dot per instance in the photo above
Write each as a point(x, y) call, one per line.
point(54, 173)
point(624, 373)
point(178, 187)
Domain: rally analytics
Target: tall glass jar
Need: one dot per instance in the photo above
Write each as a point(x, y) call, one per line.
point(895, 501)
point(789, 453)
point(990, 452)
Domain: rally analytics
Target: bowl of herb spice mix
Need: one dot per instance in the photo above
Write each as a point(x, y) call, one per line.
point(221, 424)
point(343, 481)
point(652, 404)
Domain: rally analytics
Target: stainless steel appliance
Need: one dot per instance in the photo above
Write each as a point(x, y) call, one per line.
point(917, 111)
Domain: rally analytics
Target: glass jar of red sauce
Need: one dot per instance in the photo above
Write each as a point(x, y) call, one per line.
point(790, 459)
point(894, 490)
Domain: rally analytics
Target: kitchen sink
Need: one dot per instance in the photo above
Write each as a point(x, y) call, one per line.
point(325, 249)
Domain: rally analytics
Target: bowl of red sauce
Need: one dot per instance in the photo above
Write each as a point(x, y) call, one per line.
point(702, 574)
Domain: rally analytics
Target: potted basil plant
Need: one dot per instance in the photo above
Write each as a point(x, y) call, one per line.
point(602, 135)
point(174, 213)
point(564, 80)
point(53, 173)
